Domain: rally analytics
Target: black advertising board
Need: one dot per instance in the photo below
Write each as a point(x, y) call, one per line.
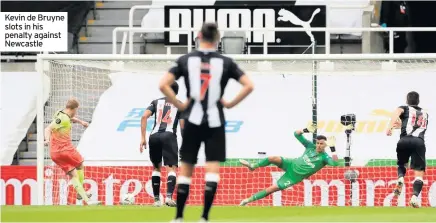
point(247, 16)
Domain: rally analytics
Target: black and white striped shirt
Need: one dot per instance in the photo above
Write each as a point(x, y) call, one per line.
point(206, 75)
point(414, 121)
point(166, 116)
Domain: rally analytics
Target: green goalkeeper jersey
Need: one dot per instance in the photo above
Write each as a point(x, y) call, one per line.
point(311, 161)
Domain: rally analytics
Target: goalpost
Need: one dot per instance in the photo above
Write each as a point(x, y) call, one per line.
point(114, 90)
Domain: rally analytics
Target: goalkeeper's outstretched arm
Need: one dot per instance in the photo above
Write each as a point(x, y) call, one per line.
point(299, 134)
point(332, 161)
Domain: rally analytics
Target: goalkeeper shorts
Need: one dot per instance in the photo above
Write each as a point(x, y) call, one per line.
point(289, 178)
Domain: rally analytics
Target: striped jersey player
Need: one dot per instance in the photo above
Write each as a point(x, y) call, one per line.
point(413, 121)
point(162, 143)
point(206, 74)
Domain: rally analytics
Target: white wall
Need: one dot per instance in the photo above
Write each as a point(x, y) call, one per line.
point(18, 92)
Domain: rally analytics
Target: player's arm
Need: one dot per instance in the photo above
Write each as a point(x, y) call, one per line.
point(181, 121)
point(182, 124)
point(247, 85)
point(147, 114)
point(47, 133)
point(332, 161)
point(394, 117)
point(77, 120)
point(299, 134)
point(165, 85)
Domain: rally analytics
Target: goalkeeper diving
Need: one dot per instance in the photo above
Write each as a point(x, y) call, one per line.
point(296, 170)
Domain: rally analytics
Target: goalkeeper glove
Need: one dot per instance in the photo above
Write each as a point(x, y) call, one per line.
point(331, 142)
point(310, 128)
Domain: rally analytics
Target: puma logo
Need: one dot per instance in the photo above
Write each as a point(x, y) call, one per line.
point(287, 16)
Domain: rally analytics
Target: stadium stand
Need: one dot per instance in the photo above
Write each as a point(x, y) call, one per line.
point(97, 37)
point(421, 15)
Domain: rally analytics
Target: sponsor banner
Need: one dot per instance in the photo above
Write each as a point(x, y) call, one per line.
point(283, 14)
point(18, 109)
point(335, 16)
point(269, 115)
point(328, 187)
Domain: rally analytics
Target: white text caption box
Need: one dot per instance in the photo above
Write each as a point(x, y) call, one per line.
point(34, 31)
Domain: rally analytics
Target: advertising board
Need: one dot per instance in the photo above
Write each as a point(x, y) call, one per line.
point(326, 188)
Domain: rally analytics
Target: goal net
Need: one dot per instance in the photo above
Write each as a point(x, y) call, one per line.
point(114, 91)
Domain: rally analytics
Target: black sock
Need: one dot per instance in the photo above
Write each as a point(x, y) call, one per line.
point(209, 195)
point(417, 187)
point(155, 181)
point(401, 171)
point(171, 184)
point(182, 196)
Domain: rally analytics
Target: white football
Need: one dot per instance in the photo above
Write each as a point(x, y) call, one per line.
point(127, 199)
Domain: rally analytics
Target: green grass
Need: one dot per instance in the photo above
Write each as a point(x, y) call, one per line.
point(222, 214)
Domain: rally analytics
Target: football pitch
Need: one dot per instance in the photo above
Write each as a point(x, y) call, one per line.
point(218, 214)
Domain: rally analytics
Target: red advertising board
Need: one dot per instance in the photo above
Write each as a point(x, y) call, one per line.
point(328, 187)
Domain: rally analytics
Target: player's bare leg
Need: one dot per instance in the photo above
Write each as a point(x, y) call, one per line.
point(81, 174)
point(276, 160)
point(183, 184)
point(171, 184)
point(155, 183)
point(259, 195)
point(400, 182)
point(417, 187)
point(79, 187)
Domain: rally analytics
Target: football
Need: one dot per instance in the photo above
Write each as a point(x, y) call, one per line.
point(127, 199)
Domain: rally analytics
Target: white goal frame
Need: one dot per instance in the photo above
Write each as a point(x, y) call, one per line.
point(326, 62)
